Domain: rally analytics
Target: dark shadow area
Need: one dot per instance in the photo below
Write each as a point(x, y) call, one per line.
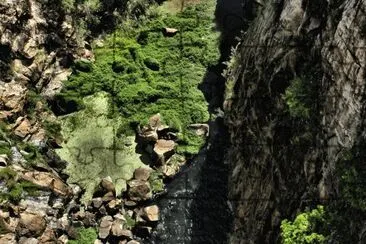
point(195, 208)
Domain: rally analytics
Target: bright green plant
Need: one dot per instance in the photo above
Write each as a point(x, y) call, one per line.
point(296, 96)
point(304, 228)
point(85, 236)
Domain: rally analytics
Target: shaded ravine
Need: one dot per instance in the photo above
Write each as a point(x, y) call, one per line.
point(196, 208)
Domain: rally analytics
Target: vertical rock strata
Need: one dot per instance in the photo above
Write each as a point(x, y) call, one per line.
point(272, 176)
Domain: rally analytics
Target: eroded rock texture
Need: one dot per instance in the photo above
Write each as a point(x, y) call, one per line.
point(279, 163)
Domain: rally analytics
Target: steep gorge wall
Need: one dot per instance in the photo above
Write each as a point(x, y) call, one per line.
point(281, 163)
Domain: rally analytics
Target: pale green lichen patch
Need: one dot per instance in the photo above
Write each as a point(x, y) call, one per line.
point(93, 151)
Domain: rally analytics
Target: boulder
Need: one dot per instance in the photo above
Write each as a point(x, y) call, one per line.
point(63, 239)
point(142, 174)
point(105, 226)
point(13, 95)
point(48, 180)
point(32, 222)
point(4, 160)
point(9, 238)
point(170, 32)
point(139, 190)
point(107, 183)
point(117, 227)
point(133, 242)
point(97, 202)
point(24, 240)
point(151, 213)
point(164, 149)
point(24, 128)
point(48, 236)
point(200, 129)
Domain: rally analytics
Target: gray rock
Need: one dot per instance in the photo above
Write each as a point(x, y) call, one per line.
point(105, 226)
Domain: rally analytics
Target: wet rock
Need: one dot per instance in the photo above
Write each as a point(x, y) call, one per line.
point(139, 190)
point(142, 174)
point(24, 240)
point(151, 213)
point(105, 226)
point(9, 238)
point(163, 150)
point(31, 222)
point(108, 184)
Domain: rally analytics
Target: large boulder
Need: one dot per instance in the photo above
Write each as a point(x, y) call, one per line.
point(48, 180)
point(139, 190)
point(31, 224)
point(142, 174)
point(163, 150)
point(151, 213)
point(105, 226)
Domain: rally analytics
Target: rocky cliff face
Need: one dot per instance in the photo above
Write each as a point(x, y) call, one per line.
point(280, 162)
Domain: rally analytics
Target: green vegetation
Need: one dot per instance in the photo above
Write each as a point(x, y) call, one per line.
point(130, 222)
point(147, 73)
point(90, 143)
point(156, 181)
point(297, 99)
point(304, 228)
point(85, 236)
point(16, 189)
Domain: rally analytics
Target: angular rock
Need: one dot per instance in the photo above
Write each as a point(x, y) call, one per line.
point(4, 160)
point(32, 222)
point(89, 219)
point(24, 128)
point(142, 174)
point(48, 236)
point(170, 32)
point(139, 190)
point(133, 242)
point(9, 238)
point(24, 240)
point(47, 180)
point(97, 202)
point(163, 150)
point(105, 226)
point(117, 227)
point(151, 213)
point(13, 95)
point(109, 196)
point(63, 239)
point(107, 183)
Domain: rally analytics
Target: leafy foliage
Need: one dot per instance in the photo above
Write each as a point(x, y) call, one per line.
point(304, 228)
point(85, 236)
point(296, 96)
point(156, 181)
point(147, 73)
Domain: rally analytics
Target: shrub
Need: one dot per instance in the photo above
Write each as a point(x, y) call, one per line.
point(295, 97)
point(303, 229)
point(85, 236)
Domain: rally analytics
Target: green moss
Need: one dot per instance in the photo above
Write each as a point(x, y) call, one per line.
point(85, 236)
point(83, 65)
point(152, 73)
point(295, 97)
